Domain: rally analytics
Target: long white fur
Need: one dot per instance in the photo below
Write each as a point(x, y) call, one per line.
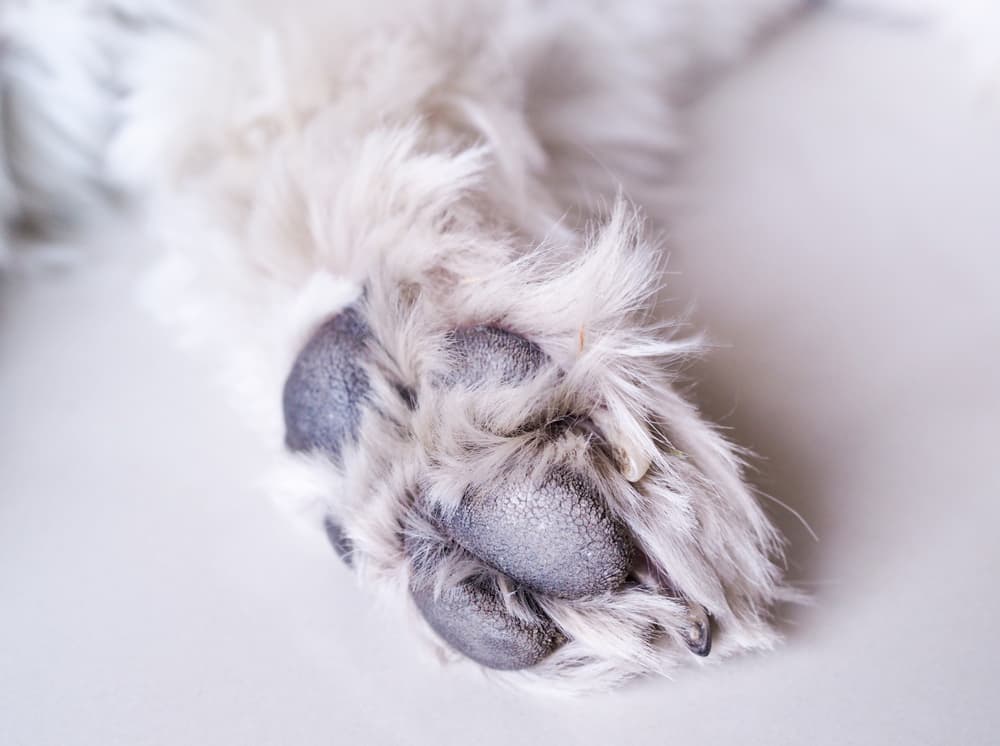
point(462, 163)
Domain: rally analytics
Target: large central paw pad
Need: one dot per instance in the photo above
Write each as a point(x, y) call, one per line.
point(556, 537)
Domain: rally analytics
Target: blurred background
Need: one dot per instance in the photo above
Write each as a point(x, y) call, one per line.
point(840, 239)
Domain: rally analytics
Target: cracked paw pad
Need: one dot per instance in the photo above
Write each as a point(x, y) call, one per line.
point(556, 537)
point(490, 354)
point(472, 619)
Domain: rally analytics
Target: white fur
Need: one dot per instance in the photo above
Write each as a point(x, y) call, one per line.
point(56, 69)
point(464, 163)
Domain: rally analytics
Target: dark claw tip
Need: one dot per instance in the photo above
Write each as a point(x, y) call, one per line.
point(698, 634)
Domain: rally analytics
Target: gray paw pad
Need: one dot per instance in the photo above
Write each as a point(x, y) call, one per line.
point(327, 387)
point(488, 353)
point(556, 537)
point(473, 620)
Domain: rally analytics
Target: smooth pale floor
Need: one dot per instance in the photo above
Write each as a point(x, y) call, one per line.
point(841, 239)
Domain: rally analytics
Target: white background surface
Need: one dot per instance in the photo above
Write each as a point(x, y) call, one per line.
point(842, 241)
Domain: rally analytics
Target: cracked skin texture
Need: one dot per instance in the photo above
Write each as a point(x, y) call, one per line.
point(489, 353)
point(556, 537)
point(473, 620)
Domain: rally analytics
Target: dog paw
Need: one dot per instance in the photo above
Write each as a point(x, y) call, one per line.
point(533, 485)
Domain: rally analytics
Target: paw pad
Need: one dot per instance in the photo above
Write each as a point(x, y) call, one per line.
point(327, 387)
point(472, 619)
point(489, 353)
point(556, 537)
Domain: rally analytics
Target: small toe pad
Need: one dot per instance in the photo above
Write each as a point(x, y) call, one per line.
point(489, 353)
point(327, 387)
point(472, 619)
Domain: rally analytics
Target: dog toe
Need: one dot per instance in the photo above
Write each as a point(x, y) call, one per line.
point(472, 619)
point(327, 387)
point(489, 353)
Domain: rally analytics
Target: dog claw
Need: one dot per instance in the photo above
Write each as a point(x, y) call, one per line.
point(698, 634)
point(633, 465)
point(631, 457)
